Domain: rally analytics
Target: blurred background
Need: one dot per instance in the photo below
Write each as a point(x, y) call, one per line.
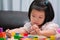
point(23, 5)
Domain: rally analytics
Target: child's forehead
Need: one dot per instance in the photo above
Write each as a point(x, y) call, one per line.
point(36, 12)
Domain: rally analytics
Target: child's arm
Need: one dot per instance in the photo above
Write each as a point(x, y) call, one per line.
point(47, 33)
point(17, 30)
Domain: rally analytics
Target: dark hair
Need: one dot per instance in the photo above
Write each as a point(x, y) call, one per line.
point(44, 5)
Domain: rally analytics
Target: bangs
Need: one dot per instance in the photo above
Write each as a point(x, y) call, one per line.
point(39, 8)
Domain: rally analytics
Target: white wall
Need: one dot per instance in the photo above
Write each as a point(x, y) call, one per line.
point(26, 4)
point(5, 4)
point(58, 11)
point(1, 4)
point(16, 5)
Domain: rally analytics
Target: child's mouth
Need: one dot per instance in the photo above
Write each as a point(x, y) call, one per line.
point(35, 23)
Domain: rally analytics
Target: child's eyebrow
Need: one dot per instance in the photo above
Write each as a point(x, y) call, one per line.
point(35, 15)
point(40, 16)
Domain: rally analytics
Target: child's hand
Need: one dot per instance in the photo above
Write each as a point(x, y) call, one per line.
point(8, 33)
point(36, 29)
point(32, 32)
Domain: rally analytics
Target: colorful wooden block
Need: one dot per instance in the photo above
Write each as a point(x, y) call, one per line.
point(28, 39)
point(25, 34)
point(22, 38)
point(16, 37)
point(1, 29)
point(58, 30)
point(17, 33)
point(35, 38)
point(2, 35)
point(2, 39)
point(13, 33)
point(52, 37)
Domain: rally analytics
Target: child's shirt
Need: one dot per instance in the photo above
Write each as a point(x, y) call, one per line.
point(47, 26)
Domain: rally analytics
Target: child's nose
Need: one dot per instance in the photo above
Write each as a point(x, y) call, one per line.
point(36, 19)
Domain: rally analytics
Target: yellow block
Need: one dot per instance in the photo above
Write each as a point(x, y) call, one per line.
point(28, 39)
point(35, 38)
point(52, 37)
point(46, 38)
point(13, 33)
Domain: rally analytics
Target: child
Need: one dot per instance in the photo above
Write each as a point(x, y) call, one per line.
point(40, 15)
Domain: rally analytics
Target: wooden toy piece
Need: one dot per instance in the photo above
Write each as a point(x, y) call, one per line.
point(21, 35)
point(2, 39)
point(52, 37)
point(28, 39)
point(30, 36)
point(1, 29)
point(13, 33)
point(25, 34)
point(58, 30)
point(17, 37)
point(46, 39)
point(35, 38)
point(22, 39)
point(17, 33)
point(2, 35)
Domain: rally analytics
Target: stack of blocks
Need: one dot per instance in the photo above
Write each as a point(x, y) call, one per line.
point(2, 34)
point(25, 36)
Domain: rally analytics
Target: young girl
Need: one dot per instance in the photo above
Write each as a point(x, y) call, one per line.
point(40, 15)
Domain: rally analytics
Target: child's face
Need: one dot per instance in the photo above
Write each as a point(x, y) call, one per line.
point(37, 17)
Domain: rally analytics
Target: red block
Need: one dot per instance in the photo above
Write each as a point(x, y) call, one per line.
point(2, 34)
point(25, 34)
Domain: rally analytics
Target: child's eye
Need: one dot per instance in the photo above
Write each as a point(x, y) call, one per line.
point(33, 16)
point(40, 17)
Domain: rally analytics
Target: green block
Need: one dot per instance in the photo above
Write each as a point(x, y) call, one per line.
point(2, 39)
point(16, 37)
point(35, 37)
